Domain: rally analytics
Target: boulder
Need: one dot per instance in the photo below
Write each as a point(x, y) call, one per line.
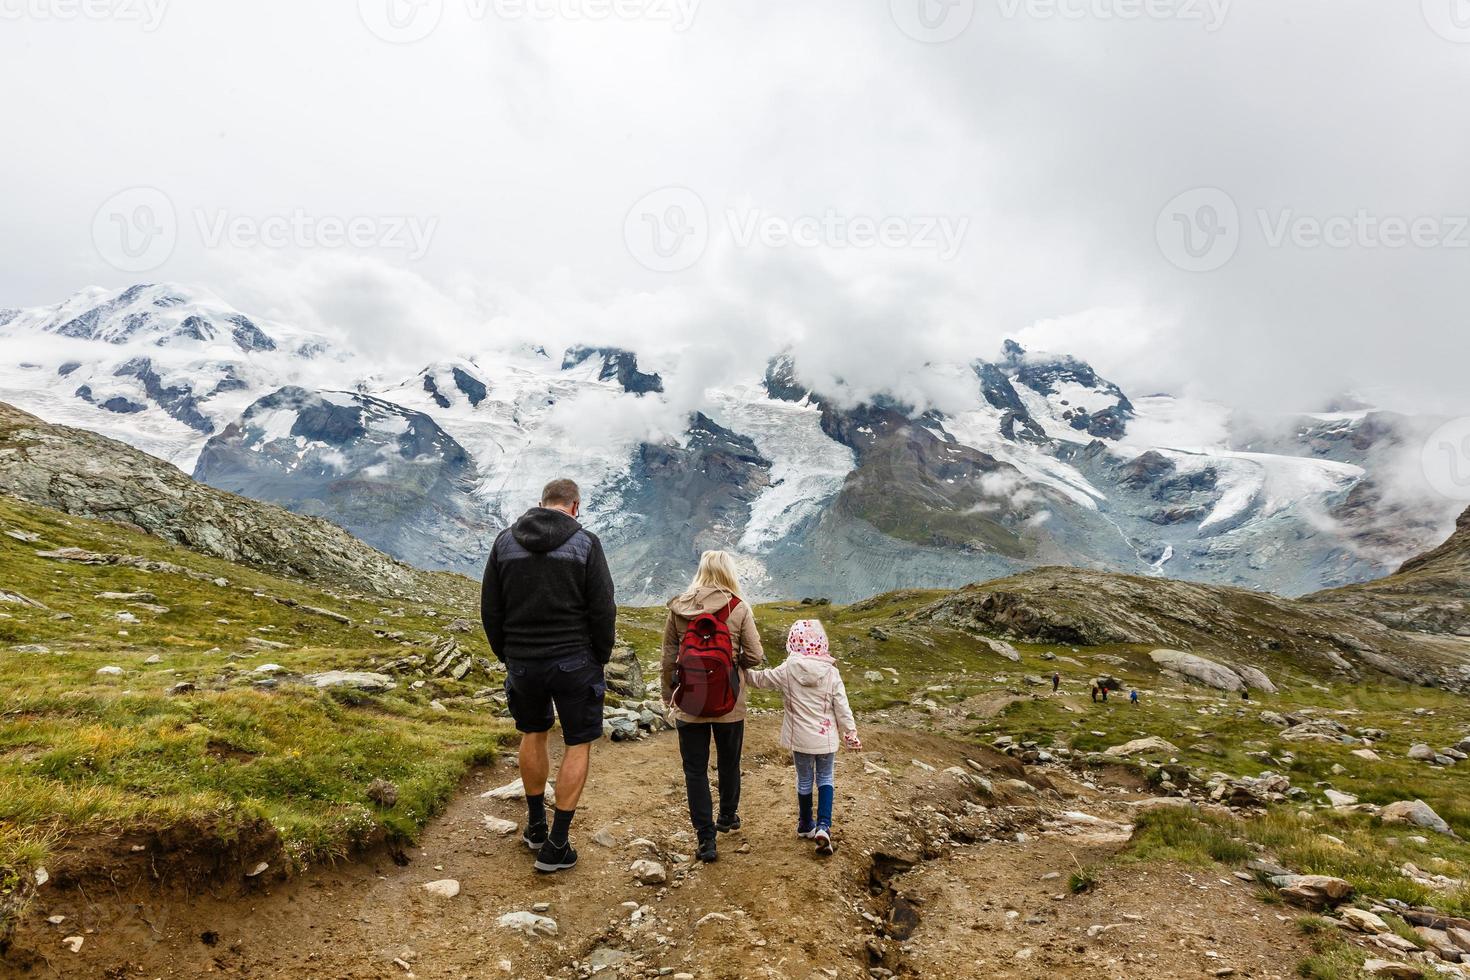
point(1142, 745)
point(1420, 752)
point(1416, 813)
point(1392, 969)
point(447, 888)
point(357, 680)
point(1197, 668)
point(109, 671)
point(1312, 891)
point(625, 674)
point(1255, 678)
point(1004, 649)
point(1364, 921)
point(649, 872)
point(1367, 754)
point(1337, 799)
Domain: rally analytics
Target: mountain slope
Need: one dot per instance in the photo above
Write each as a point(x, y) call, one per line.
point(79, 472)
point(1024, 459)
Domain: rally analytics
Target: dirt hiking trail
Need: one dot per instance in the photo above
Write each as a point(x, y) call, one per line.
point(933, 877)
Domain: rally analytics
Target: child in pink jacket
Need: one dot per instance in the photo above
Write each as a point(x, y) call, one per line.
point(816, 711)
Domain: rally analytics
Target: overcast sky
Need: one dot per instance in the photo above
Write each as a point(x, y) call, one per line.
point(968, 170)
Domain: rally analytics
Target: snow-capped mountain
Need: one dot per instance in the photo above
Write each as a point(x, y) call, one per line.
point(817, 492)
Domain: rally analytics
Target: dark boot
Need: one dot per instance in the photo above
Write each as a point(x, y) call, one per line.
point(708, 852)
point(823, 833)
point(804, 822)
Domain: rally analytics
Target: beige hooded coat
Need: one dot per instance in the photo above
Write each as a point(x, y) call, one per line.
point(744, 638)
point(816, 703)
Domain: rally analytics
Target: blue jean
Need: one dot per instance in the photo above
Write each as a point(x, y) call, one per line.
point(814, 769)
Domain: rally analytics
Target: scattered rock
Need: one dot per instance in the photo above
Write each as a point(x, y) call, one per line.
point(446, 888)
point(109, 671)
point(1393, 969)
point(1312, 891)
point(182, 687)
point(1339, 799)
point(258, 870)
point(1368, 754)
point(1004, 649)
point(73, 943)
point(499, 827)
point(257, 643)
point(649, 872)
point(1141, 745)
point(31, 648)
point(358, 680)
point(1416, 813)
point(528, 923)
point(1364, 921)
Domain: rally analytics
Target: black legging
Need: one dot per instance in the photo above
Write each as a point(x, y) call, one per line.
point(694, 750)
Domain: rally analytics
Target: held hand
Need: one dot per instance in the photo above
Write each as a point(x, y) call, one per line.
point(852, 741)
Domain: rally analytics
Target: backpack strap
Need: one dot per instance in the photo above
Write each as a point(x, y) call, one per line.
point(724, 614)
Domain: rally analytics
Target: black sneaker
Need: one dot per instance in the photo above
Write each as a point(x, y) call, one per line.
point(556, 857)
point(534, 836)
point(726, 824)
point(707, 852)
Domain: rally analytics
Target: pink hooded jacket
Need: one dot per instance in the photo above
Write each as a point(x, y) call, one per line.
point(817, 711)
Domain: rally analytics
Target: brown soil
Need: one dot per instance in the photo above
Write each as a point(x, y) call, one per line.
point(922, 884)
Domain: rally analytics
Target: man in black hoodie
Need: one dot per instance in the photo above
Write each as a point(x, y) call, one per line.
point(548, 610)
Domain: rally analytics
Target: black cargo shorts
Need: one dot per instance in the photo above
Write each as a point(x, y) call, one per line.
point(573, 685)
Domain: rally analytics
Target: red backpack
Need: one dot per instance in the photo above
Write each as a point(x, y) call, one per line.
point(706, 680)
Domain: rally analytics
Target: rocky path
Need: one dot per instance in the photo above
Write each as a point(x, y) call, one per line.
point(933, 877)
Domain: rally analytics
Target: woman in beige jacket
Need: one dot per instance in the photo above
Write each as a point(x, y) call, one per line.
point(713, 588)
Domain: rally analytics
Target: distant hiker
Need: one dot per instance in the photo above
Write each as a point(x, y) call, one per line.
point(1133, 696)
point(816, 711)
point(709, 639)
point(1056, 682)
point(1094, 692)
point(548, 610)
point(1104, 689)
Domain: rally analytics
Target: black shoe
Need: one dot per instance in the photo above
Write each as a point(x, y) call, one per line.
point(556, 857)
point(726, 824)
point(707, 852)
point(534, 836)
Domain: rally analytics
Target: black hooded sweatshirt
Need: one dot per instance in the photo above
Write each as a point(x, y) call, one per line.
point(547, 590)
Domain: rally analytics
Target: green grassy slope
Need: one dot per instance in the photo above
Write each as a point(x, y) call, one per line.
point(87, 757)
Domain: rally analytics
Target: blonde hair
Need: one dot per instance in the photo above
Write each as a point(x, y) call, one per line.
point(717, 571)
